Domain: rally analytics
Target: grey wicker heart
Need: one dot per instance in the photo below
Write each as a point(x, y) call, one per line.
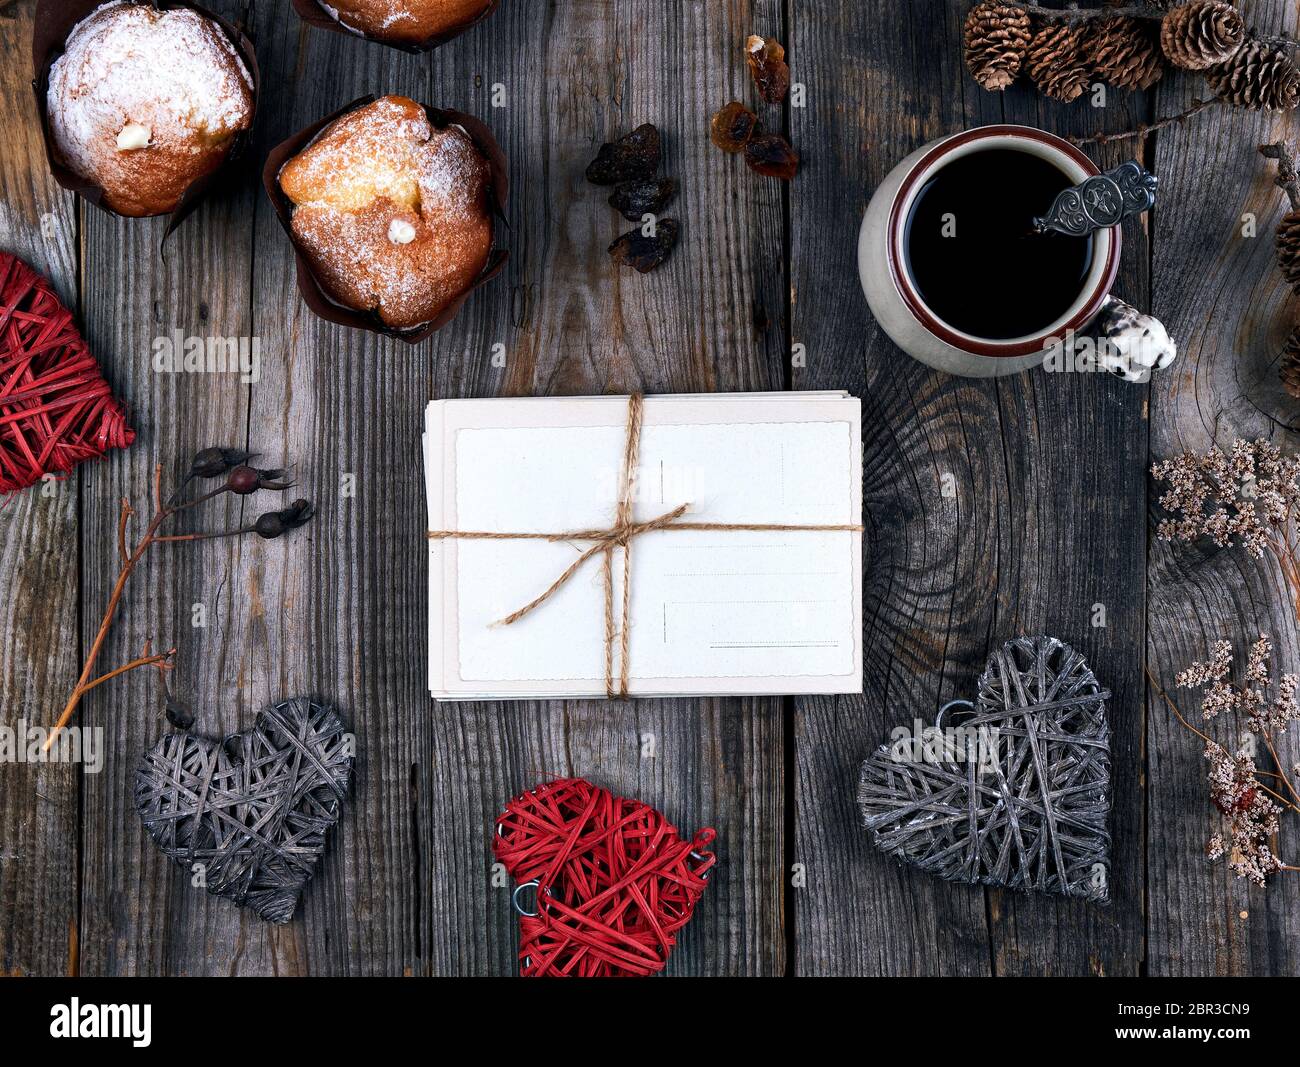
point(252, 811)
point(1014, 792)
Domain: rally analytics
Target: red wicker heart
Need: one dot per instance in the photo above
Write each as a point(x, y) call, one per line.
point(55, 407)
point(614, 880)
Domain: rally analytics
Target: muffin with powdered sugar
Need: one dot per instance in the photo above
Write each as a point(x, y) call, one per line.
point(393, 214)
point(144, 102)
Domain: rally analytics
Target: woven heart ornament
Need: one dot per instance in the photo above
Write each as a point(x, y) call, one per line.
point(614, 880)
point(252, 811)
point(56, 410)
point(1014, 792)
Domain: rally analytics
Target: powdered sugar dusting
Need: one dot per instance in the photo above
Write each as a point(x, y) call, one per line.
point(406, 283)
point(388, 149)
point(173, 71)
point(403, 20)
point(334, 14)
point(451, 175)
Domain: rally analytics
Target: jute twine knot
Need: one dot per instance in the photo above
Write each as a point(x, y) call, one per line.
point(620, 535)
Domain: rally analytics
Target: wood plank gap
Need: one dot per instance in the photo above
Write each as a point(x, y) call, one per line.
point(1148, 161)
point(788, 708)
point(79, 511)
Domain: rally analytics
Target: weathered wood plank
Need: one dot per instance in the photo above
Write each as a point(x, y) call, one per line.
point(337, 611)
point(140, 915)
point(709, 319)
point(1040, 468)
point(38, 553)
point(1069, 586)
point(1223, 299)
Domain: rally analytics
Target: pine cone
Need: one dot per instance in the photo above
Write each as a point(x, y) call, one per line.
point(1202, 33)
point(1288, 368)
point(1287, 245)
point(1259, 77)
point(1124, 53)
point(996, 37)
point(1058, 60)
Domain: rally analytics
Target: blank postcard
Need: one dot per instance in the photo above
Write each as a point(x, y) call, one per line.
point(709, 611)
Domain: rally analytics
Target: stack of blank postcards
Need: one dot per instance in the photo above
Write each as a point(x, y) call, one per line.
point(710, 611)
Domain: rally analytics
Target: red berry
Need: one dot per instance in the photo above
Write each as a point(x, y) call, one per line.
point(244, 480)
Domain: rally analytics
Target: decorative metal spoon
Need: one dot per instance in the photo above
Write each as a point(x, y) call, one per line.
point(1102, 200)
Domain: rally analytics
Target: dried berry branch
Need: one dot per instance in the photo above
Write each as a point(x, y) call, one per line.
point(161, 660)
point(242, 480)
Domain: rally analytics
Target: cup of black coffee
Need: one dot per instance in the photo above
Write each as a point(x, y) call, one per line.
point(953, 266)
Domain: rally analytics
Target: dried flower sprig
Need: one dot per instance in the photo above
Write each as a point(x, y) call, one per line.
point(1250, 700)
point(1252, 818)
point(1247, 497)
point(1251, 809)
point(239, 479)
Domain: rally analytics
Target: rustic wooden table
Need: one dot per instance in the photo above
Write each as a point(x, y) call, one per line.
point(1044, 526)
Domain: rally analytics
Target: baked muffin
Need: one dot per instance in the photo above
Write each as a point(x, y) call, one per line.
point(392, 214)
point(404, 21)
point(144, 102)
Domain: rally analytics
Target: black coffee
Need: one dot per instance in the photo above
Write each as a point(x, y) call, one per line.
point(972, 252)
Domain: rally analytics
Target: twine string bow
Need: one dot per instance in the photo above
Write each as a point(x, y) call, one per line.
point(620, 536)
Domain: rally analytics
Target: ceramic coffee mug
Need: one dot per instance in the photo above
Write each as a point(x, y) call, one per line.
point(893, 296)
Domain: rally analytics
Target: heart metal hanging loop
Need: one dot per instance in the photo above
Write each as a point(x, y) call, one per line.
point(943, 711)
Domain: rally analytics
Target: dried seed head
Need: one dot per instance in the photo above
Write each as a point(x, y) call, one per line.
point(214, 462)
point(244, 480)
point(178, 714)
point(277, 523)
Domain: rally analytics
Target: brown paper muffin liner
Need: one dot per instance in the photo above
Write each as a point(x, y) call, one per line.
point(314, 14)
point(314, 295)
point(55, 20)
